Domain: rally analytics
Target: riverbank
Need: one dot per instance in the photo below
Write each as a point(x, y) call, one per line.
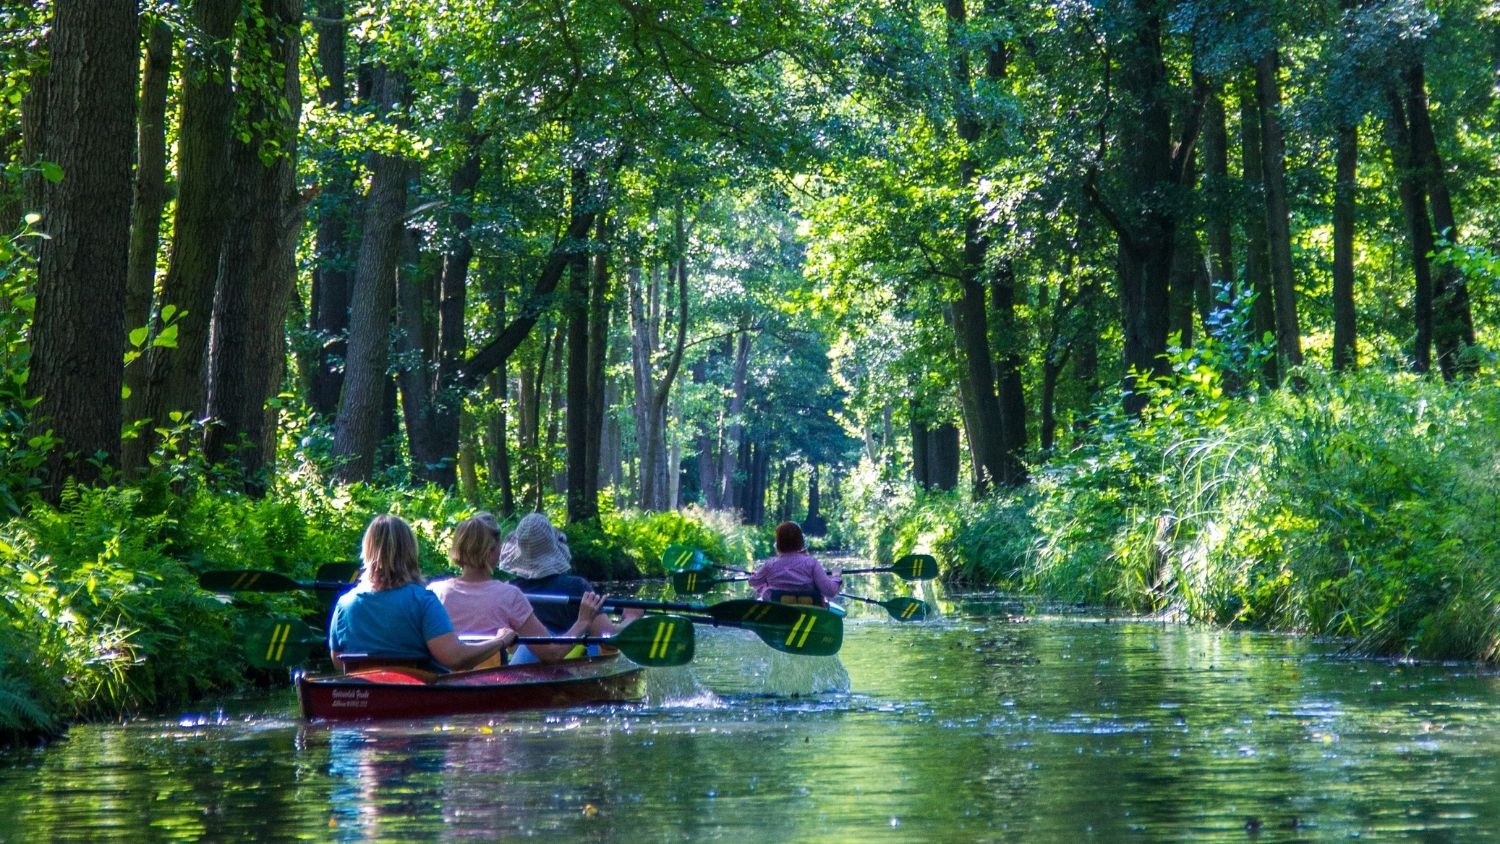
point(1362, 507)
point(103, 616)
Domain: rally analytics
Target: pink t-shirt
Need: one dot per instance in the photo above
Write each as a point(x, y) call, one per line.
point(482, 608)
point(794, 571)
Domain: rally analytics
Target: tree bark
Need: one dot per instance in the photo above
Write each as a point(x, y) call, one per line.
point(1279, 236)
point(734, 431)
point(332, 274)
point(150, 200)
point(78, 326)
point(1145, 223)
point(600, 307)
point(1216, 206)
point(1419, 229)
point(991, 443)
point(258, 274)
point(1257, 250)
point(356, 431)
point(1346, 158)
point(1453, 321)
point(177, 377)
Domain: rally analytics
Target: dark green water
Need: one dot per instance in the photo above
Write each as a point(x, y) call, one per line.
point(976, 727)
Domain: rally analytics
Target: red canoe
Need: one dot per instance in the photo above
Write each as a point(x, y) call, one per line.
point(410, 693)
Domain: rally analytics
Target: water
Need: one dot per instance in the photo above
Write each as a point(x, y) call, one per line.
point(982, 726)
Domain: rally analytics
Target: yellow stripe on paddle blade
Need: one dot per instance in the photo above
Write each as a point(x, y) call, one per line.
point(662, 640)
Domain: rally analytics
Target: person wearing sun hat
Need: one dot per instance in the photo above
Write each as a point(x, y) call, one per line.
point(537, 555)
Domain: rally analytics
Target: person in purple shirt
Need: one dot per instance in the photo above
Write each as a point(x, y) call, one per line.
point(794, 575)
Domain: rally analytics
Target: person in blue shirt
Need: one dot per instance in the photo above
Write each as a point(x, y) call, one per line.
point(391, 613)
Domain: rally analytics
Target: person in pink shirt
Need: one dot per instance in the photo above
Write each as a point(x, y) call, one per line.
point(794, 576)
point(479, 605)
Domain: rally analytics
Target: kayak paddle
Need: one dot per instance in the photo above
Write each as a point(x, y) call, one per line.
point(696, 582)
point(789, 628)
point(901, 609)
point(654, 640)
point(250, 580)
point(909, 567)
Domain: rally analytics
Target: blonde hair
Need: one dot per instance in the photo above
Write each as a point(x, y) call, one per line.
point(474, 543)
point(390, 554)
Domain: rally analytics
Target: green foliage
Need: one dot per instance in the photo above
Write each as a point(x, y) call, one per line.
point(21, 452)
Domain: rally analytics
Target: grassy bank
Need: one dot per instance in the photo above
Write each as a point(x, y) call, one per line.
point(1363, 507)
point(101, 615)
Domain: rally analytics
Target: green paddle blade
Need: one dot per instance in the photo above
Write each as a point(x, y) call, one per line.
point(695, 582)
point(655, 640)
point(909, 567)
point(789, 628)
point(248, 581)
point(905, 609)
point(683, 558)
point(916, 567)
point(337, 573)
point(279, 642)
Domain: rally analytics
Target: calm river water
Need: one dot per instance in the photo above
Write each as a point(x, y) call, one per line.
point(984, 725)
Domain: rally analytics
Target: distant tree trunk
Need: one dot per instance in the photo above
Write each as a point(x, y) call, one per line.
point(356, 429)
point(651, 393)
point(708, 460)
point(1453, 321)
point(554, 421)
point(150, 199)
point(177, 377)
point(498, 450)
point(992, 426)
point(943, 455)
point(1216, 204)
point(1419, 229)
point(1273, 169)
point(734, 433)
point(1186, 256)
point(600, 308)
point(78, 327)
point(1346, 157)
point(258, 273)
point(1145, 221)
point(433, 356)
point(332, 274)
point(1257, 250)
point(920, 472)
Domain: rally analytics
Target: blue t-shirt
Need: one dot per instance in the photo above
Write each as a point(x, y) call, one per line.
point(555, 617)
point(392, 622)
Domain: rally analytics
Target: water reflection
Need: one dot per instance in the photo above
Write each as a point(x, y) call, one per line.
point(994, 722)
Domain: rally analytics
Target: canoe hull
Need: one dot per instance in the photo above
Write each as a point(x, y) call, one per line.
point(394, 693)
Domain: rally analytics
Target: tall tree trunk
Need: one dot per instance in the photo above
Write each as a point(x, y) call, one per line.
point(150, 199)
point(1146, 221)
point(258, 273)
point(177, 377)
point(1414, 205)
point(356, 428)
point(78, 327)
point(734, 433)
point(332, 275)
point(433, 354)
point(1257, 249)
point(598, 331)
point(1216, 206)
point(1453, 321)
point(661, 391)
point(582, 447)
point(1273, 169)
point(1346, 158)
point(497, 452)
point(987, 425)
